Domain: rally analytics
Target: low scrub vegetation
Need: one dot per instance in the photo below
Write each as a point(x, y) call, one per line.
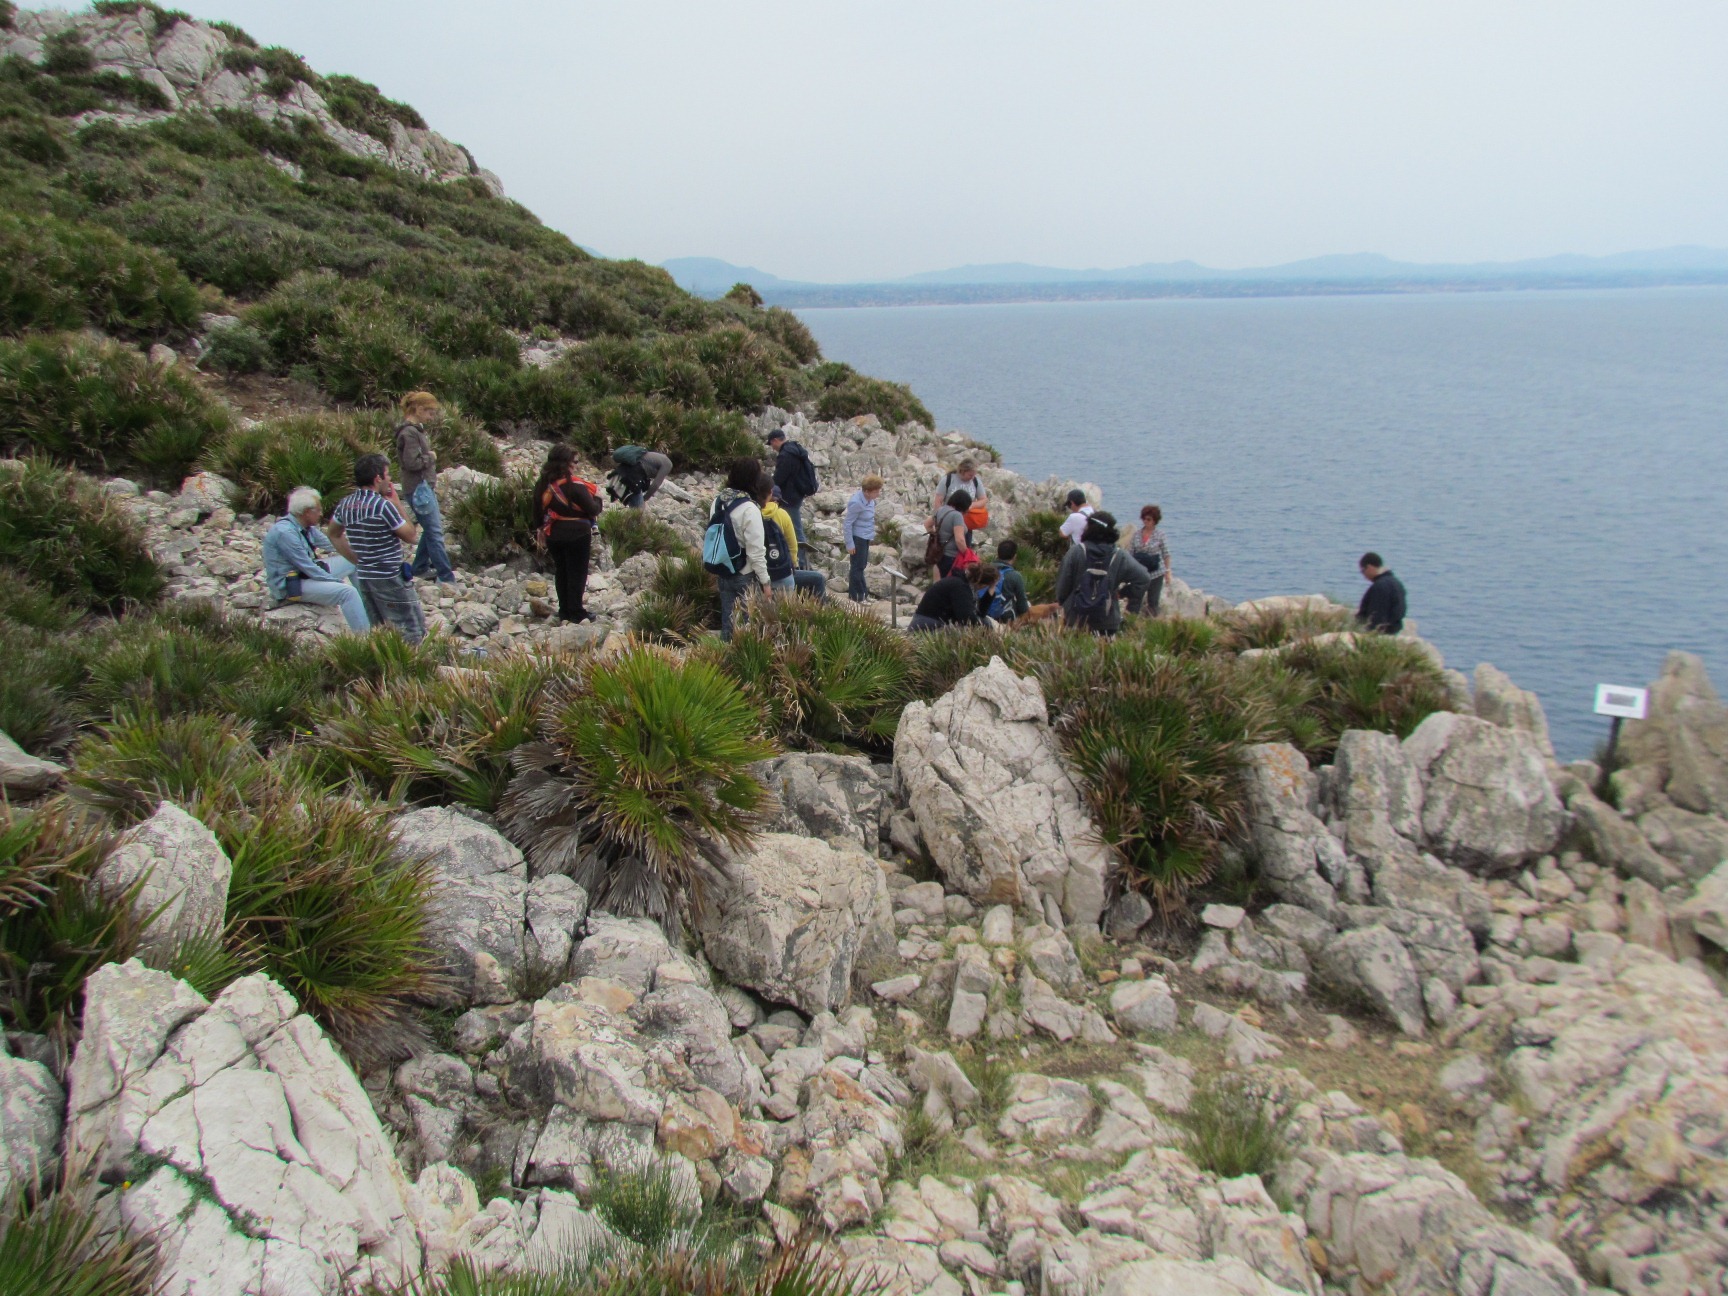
point(495, 520)
point(58, 1240)
point(103, 407)
point(72, 539)
point(643, 770)
point(681, 604)
point(632, 531)
point(1235, 1129)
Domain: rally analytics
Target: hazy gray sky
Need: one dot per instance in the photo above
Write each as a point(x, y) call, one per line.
point(841, 141)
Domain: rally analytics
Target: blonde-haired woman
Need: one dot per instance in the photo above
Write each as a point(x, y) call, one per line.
point(857, 530)
point(419, 466)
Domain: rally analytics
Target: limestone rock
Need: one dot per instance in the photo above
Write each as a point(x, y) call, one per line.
point(1043, 1109)
point(1501, 702)
point(31, 1102)
point(1397, 1224)
point(270, 1168)
point(1487, 803)
point(826, 796)
point(1223, 1277)
point(1302, 862)
point(182, 875)
point(1372, 964)
point(1685, 736)
point(1144, 1007)
point(994, 801)
point(493, 928)
point(1375, 793)
point(794, 919)
point(23, 775)
point(1610, 840)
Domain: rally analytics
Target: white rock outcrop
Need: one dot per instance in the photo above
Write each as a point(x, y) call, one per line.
point(994, 801)
point(1487, 801)
point(250, 1152)
point(181, 874)
point(794, 918)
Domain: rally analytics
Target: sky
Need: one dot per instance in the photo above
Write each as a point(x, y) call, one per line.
point(868, 140)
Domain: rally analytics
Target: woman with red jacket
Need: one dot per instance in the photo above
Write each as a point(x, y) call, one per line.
point(565, 509)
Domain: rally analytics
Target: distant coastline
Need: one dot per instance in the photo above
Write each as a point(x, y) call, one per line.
point(815, 297)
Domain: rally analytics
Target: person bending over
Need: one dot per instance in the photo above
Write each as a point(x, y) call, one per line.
point(1382, 607)
point(953, 600)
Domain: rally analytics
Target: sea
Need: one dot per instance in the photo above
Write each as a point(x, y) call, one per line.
point(1546, 471)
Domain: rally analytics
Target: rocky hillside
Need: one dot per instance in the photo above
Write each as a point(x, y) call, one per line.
point(1240, 954)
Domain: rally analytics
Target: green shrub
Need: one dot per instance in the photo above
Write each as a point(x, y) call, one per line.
point(57, 274)
point(447, 739)
point(56, 924)
point(694, 439)
point(143, 758)
point(103, 407)
point(681, 603)
point(695, 1267)
point(495, 520)
point(381, 656)
point(63, 1243)
point(822, 673)
point(1234, 1129)
point(44, 668)
point(1039, 535)
point(235, 349)
point(645, 1204)
point(316, 450)
point(846, 394)
point(1158, 743)
point(320, 901)
point(632, 531)
point(645, 767)
point(1275, 629)
point(1376, 682)
point(73, 539)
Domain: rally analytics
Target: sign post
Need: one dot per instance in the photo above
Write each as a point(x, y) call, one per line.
point(895, 576)
point(1622, 702)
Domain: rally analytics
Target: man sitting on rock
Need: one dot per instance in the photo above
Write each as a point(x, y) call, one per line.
point(371, 519)
point(1382, 607)
point(295, 573)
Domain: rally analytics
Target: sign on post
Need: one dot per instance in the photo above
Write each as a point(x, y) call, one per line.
point(1622, 701)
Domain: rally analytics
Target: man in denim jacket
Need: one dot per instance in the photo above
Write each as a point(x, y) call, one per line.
point(419, 465)
point(294, 571)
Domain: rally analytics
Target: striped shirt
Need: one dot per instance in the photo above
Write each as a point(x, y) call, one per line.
point(371, 521)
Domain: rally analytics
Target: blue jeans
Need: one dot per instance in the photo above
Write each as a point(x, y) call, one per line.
point(430, 555)
point(732, 589)
point(392, 601)
point(797, 512)
point(338, 593)
point(812, 582)
point(856, 587)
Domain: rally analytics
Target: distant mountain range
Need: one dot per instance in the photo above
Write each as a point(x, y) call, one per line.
point(1356, 272)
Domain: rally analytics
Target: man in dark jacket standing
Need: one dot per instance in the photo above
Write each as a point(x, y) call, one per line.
point(1092, 575)
point(795, 475)
point(1382, 608)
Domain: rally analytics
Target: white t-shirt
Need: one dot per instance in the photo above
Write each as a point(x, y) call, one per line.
point(1074, 525)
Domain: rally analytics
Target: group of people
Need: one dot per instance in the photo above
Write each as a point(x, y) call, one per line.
point(754, 543)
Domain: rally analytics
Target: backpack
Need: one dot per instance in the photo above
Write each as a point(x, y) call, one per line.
point(1088, 607)
point(722, 550)
point(556, 488)
point(779, 552)
point(1001, 605)
point(626, 480)
point(628, 456)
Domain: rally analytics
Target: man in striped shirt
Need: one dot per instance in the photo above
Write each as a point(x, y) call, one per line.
point(371, 519)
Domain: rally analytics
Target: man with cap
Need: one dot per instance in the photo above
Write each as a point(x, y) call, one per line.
point(795, 475)
point(1074, 525)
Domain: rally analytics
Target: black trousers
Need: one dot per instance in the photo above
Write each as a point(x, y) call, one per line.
point(570, 555)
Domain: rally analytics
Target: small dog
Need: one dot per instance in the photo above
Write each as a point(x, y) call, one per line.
point(1039, 614)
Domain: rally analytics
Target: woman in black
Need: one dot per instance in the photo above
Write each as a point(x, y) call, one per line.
point(566, 507)
point(953, 600)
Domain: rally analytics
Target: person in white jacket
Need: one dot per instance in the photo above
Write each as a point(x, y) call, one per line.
point(735, 499)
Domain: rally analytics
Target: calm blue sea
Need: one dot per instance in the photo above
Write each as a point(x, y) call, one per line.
point(1546, 471)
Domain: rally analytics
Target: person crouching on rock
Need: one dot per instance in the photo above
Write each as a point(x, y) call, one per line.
point(805, 580)
point(1092, 575)
point(294, 571)
point(1382, 608)
point(565, 508)
point(953, 600)
point(369, 520)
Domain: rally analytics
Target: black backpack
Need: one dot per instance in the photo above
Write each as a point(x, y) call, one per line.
point(626, 480)
point(1089, 606)
point(779, 553)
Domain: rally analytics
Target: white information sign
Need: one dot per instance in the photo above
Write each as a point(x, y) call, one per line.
point(1621, 700)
